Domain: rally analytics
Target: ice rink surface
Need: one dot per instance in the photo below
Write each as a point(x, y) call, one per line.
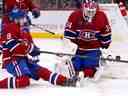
point(103, 87)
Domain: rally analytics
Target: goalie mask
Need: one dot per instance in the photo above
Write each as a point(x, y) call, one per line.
point(89, 9)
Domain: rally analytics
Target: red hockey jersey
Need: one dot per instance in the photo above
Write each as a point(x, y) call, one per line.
point(12, 38)
point(22, 4)
point(14, 31)
point(26, 5)
point(88, 35)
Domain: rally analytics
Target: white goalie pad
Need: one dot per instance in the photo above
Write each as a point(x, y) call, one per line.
point(61, 66)
point(69, 47)
point(64, 63)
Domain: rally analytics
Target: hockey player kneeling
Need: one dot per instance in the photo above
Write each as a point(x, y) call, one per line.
point(16, 49)
point(88, 27)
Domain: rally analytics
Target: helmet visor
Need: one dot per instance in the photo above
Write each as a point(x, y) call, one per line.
point(89, 9)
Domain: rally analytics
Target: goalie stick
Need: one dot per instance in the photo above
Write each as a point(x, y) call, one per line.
point(81, 56)
point(69, 65)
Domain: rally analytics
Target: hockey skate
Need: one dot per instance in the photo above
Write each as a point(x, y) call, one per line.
point(71, 82)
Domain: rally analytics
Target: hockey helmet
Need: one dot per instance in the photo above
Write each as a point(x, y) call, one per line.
point(16, 14)
point(89, 8)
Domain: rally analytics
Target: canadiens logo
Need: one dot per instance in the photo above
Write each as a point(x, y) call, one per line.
point(87, 35)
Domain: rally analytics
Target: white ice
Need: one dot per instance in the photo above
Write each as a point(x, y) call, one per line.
point(103, 87)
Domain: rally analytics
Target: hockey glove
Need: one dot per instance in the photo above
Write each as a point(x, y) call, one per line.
point(35, 51)
point(105, 46)
point(35, 13)
point(33, 59)
point(100, 38)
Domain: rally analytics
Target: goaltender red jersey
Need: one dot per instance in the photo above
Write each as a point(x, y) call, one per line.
point(88, 35)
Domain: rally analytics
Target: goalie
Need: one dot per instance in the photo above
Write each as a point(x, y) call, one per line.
point(16, 49)
point(88, 27)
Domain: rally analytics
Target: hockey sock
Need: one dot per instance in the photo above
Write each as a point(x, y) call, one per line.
point(15, 82)
point(53, 78)
point(89, 72)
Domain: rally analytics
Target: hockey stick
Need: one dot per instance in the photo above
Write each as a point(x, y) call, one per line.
point(69, 65)
point(81, 56)
point(46, 30)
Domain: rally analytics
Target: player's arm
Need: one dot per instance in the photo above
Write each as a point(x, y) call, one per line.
point(105, 35)
point(70, 32)
point(19, 47)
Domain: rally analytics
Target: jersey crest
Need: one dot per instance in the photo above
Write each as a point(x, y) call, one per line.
point(87, 35)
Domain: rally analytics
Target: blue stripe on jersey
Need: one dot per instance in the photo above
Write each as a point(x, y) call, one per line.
point(106, 38)
point(11, 82)
point(53, 78)
point(70, 34)
point(103, 38)
point(11, 44)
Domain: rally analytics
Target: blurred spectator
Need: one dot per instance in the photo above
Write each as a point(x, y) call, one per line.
point(122, 5)
point(105, 1)
point(48, 4)
point(1, 3)
point(69, 4)
point(53, 4)
point(66, 4)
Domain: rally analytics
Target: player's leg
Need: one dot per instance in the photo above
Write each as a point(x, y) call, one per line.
point(36, 72)
point(19, 69)
point(15, 82)
point(87, 65)
point(52, 77)
point(90, 64)
point(77, 63)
